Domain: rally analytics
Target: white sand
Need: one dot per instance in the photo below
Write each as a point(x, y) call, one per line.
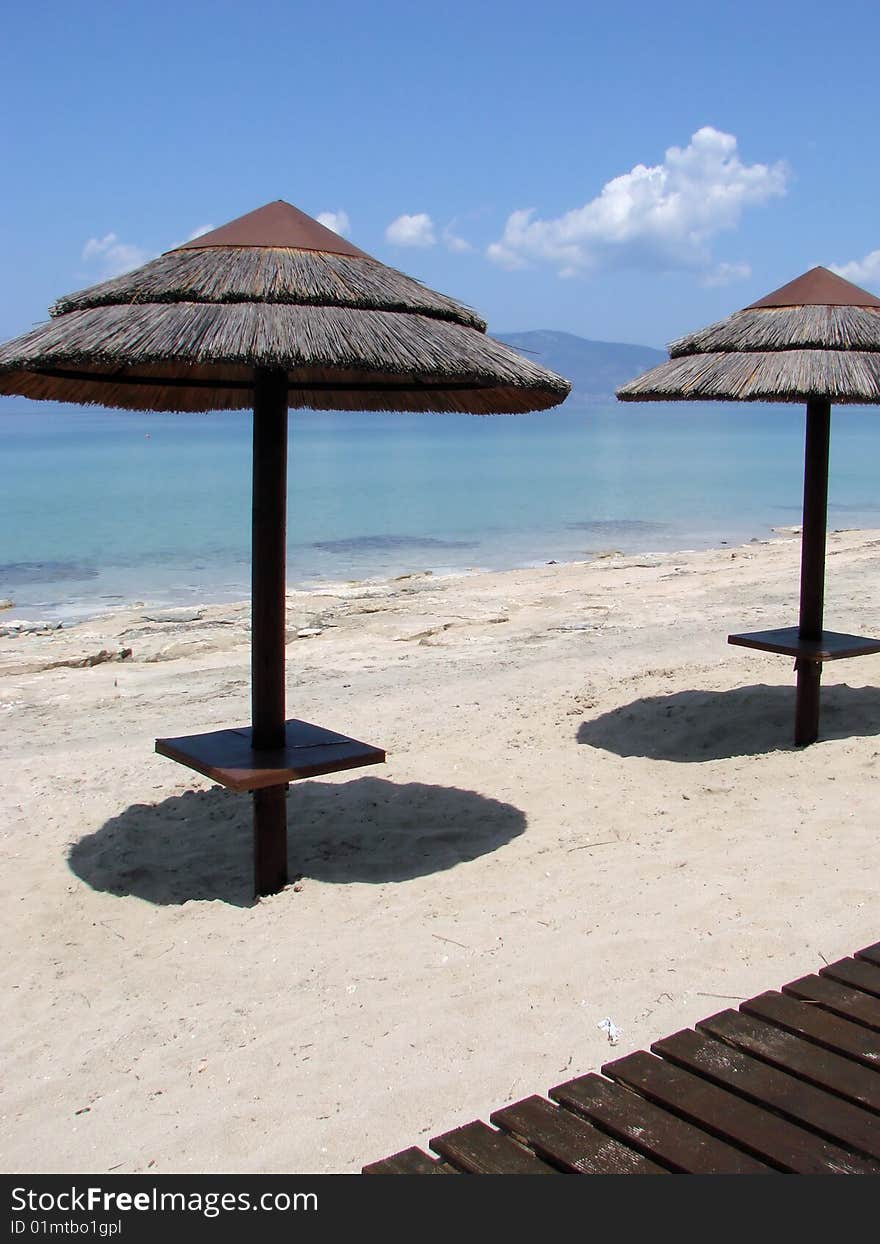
point(591, 808)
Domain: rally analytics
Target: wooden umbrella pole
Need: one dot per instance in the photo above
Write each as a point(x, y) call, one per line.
point(268, 583)
point(809, 671)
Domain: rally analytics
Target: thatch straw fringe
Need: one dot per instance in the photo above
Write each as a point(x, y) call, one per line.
point(414, 398)
point(205, 342)
point(271, 275)
point(783, 376)
point(187, 331)
point(290, 336)
point(787, 328)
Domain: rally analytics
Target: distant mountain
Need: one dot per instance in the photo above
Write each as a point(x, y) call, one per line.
point(595, 368)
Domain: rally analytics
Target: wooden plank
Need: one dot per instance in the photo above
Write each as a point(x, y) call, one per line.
point(796, 1056)
point(824, 1113)
point(786, 640)
point(851, 1004)
point(856, 974)
point(228, 757)
point(812, 603)
point(268, 558)
point(817, 1025)
point(731, 1117)
point(268, 606)
point(663, 1136)
point(479, 1150)
point(270, 839)
point(409, 1162)
point(870, 953)
point(570, 1142)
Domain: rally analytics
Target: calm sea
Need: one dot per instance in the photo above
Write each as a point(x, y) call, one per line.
point(102, 508)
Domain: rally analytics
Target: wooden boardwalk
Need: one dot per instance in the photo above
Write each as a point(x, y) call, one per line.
point(789, 1083)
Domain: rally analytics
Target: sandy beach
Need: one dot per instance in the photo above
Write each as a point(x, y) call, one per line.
point(592, 808)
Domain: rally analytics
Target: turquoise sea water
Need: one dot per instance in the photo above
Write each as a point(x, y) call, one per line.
point(100, 508)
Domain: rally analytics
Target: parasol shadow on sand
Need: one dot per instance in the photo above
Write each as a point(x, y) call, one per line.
point(369, 830)
point(697, 726)
point(815, 340)
point(271, 311)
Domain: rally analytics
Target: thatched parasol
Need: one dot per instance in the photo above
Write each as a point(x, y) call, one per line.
point(273, 311)
point(815, 340)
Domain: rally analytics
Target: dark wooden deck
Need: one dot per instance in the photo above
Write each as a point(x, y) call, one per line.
point(789, 1083)
point(227, 756)
point(833, 646)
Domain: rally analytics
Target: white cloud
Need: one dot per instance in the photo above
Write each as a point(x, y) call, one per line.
point(661, 216)
point(337, 221)
point(725, 273)
point(420, 230)
point(861, 271)
point(110, 256)
point(415, 230)
point(454, 243)
point(190, 237)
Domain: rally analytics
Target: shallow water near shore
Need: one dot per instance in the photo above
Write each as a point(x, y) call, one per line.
point(102, 508)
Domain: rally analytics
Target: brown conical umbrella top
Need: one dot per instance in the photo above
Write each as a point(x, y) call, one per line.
point(816, 337)
point(272, 289)
point(817, 288)
point(277, 224)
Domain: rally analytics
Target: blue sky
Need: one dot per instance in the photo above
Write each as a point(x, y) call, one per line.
point(677, 160)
